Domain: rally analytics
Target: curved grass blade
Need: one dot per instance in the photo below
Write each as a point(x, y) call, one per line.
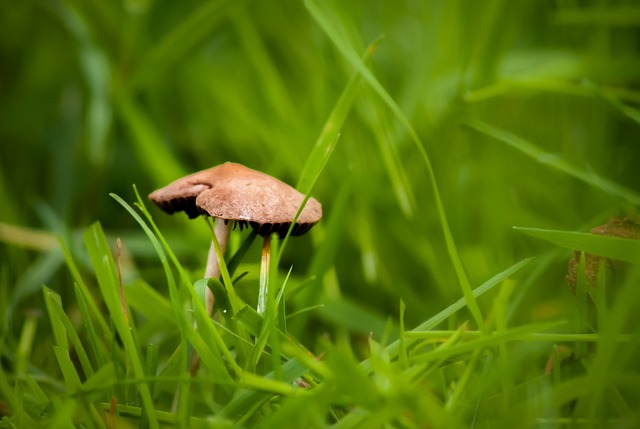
point(326, 143)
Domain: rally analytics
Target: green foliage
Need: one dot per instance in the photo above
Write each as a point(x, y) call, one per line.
point(428, 129)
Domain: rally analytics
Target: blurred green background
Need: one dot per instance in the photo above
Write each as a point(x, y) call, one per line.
point(97, 96)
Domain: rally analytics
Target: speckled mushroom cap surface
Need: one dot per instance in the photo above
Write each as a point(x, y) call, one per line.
point(233, 192)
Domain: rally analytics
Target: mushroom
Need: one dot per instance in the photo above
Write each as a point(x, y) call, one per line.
point(233, 193)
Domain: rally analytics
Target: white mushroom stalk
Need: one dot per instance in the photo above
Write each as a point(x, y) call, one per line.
point(264, 275)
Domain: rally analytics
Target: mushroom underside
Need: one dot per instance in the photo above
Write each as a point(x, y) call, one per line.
point(188, 205)
point(265, 229)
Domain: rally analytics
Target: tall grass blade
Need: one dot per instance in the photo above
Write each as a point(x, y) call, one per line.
point(326, 143)
point(348, 52)
point(328, 137)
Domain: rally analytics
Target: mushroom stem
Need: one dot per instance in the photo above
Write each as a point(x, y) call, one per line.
point(264, 275)
point(221, 230)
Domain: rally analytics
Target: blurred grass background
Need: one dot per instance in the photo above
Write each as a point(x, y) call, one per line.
point(96, 96)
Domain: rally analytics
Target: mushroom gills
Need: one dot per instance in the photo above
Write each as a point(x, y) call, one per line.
point(264, 229)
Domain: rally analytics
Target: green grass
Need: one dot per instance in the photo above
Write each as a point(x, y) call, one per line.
point(461, 150)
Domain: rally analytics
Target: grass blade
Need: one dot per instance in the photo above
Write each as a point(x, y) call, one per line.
point(394, 348)
point(248, 399)
point(555, 162)
point(610, 247)
point(90, 329)
point(82, 289)
point(106, 273)
point(57, 313)
point(490, 340)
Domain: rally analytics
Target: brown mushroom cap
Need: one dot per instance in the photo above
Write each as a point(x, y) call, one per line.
point(234, 192)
